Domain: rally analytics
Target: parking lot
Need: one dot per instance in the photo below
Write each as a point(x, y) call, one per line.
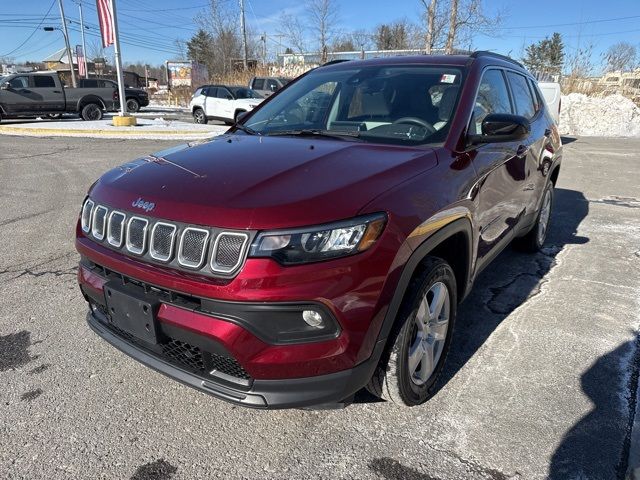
point(541, 381)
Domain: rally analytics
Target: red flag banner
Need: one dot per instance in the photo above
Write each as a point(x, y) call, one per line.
point(105, 15)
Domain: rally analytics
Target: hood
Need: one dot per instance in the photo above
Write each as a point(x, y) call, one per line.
point(253, 182)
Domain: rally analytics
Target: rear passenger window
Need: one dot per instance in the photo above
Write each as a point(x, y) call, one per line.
point(537, 96)
point(493, 97)
point(43, 81)
point(521, 95)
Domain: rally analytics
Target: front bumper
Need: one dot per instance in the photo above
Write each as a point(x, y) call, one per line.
point(287, 393)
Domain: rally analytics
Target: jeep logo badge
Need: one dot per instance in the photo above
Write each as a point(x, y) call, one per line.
point(146, 206)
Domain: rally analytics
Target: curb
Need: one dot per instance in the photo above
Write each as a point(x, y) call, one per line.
point(124, 133)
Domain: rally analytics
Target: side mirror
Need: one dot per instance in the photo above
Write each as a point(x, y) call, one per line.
point(241, 116)
point(502, 127)
point(5, 86)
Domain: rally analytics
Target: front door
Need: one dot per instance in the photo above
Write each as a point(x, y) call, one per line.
point(501, 169)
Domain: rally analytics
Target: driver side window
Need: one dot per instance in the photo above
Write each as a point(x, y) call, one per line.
point(493, 97)
point(19, 82)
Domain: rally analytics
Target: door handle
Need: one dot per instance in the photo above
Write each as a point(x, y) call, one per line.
point(57, 91)
point(522, 151)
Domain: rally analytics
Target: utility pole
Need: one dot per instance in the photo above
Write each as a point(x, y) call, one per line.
point(84, 44)
point(264, 48)
point(116, 45)
point(66, 40)
point(243, 27)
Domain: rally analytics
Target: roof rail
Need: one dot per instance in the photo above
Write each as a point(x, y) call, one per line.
point(486, 53)
point(333, 62)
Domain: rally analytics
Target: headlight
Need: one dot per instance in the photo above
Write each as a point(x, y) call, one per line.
point(322, 242)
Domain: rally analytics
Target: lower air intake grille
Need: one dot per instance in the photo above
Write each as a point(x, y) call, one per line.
point(184, 354)
point(228, 366)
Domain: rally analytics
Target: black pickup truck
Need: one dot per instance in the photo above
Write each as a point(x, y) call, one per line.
point(136, 97)
point(43, 94)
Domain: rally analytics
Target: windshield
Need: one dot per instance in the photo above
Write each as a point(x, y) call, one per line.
point(243, 92)
point(388, 104)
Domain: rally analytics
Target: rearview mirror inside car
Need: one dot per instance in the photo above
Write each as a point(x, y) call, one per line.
point(502, 127)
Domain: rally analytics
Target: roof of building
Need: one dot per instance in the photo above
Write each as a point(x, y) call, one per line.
point(59, 56)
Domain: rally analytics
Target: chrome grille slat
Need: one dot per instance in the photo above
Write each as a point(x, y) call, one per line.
point(228, 251)
point(193, 247)
point(99, 222)
point(162, 239)
point(87, 210)
point(115, 228)
point(137, 235)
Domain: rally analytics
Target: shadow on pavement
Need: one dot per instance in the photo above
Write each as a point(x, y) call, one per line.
point(586, 450)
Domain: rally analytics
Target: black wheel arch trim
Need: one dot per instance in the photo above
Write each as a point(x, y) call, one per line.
point(461, 225)
point(84, 101)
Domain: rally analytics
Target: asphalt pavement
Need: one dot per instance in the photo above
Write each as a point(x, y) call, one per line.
point(541, 382)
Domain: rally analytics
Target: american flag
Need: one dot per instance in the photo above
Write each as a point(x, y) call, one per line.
point(105, 15)
point(80, 60)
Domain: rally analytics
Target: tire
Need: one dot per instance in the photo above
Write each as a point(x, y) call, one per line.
point(534, 240)
point(91, 112)
point(199, 116)
point(395, 379)
point(133, 105)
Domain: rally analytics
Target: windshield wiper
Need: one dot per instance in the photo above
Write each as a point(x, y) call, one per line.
point(309, 132)
point(245, 129)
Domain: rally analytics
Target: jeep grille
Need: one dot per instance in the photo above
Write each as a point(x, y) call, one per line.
point(207, 250)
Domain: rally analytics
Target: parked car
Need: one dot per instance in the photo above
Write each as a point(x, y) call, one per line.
point(222, 102)
point(43, 93)
point(136, 97)
point(324, 243)
point(553, 96)
point(267, 86)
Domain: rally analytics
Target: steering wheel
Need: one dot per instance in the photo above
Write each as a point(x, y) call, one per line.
point(417, 121)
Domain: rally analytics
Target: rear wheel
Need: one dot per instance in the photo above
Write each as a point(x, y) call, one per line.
point(534, 240)
point(91, 112)
point(133, 105)
point(420, 340)
point(199, 116)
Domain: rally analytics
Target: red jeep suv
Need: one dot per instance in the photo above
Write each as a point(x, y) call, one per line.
point(323, 243)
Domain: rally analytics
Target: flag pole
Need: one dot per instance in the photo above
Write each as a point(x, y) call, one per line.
point(84, 44)
point(116, 45)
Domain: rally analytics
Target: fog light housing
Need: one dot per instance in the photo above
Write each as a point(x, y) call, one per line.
point(313, 318)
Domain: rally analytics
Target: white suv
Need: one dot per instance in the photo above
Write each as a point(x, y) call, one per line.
point(221, 102)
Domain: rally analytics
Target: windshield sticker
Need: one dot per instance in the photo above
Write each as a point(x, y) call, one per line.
point(448, 78)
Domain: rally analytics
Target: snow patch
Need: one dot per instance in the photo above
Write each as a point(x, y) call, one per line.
point(611, 116)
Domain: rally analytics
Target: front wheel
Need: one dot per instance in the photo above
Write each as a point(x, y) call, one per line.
point(91, 112)
point(534, 240)
point(421, 337)
point(199, 116)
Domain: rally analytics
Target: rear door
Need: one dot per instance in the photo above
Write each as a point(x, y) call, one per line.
point(211, 106)
point(501, 171)
point(49, 92)
point(528, 105)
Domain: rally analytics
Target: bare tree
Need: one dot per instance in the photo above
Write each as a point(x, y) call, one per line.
point(621, 56)
point(221, 21)
point(323, 16)
point(436, 15)
point(95, 49)
point(466, 18)
point(293, 30)
point(453, 26)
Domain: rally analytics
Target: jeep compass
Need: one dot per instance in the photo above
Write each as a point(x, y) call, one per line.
point(323, 243)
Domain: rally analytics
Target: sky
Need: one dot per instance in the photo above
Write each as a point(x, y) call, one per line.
point(149, 28)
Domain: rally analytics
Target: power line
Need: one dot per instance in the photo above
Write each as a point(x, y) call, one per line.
point(32, 33)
